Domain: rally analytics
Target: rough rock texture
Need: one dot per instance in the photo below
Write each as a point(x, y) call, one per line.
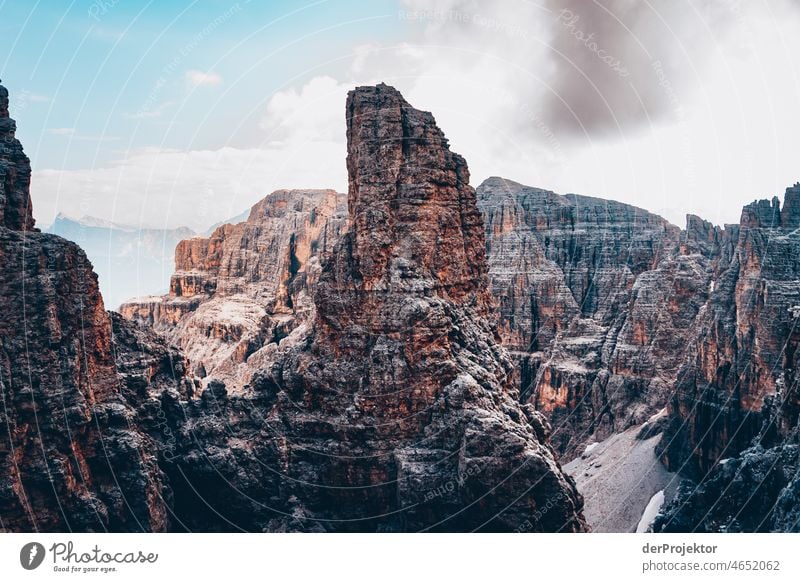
point(743, 372)
point(236, 294)
point(597, 303)
point(71, 454)
point(16, 212)
point(613, 314)
point(395, 412)
point(389, 406)
point(757, 490)
point(405, 349)
point(735, 409)
point(596, 334)
point(353, 373)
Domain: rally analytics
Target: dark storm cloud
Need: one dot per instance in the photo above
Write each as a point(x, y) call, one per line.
point(624, 63)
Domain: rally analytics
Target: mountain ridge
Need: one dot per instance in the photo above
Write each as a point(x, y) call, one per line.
point(419, 359)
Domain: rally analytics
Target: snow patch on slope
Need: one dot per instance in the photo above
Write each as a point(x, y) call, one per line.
point(618, 478)
point(650, 512)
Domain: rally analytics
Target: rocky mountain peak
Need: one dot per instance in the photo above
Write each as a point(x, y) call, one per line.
point(238, 292)
point(790, 215)
point(404, 379)
point(281, 203)
point(389, 404)
point(580, 283)
point(3, 102)
point(16, 211)
point(762, 214)
point(734, 408)
point(413, 214)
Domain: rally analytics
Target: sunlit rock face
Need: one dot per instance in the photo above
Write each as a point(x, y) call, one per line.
point(394, 359)
point(406, 349)
point(734, 412)
point(394, 409)
point(597, 304)
point(73, 456)
point(238, 293)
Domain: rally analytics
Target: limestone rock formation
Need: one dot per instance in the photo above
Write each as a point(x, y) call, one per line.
point(734, 413)
point(395, 411)
point(16, 212)
point(388, 405)
point(236, 294)
point(597, 303)
point(404, 357)
point(395, 361)
point(72, 457)
point(743, 371)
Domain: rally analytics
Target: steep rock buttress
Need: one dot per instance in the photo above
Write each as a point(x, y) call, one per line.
point(72, 454)
point(395, 410)
point(418, 423)
point(733, 426)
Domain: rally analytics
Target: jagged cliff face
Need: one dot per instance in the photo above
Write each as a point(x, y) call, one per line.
point(743, 370)
point(236, 294)
point(597, 298)
point(405, 349)
point(353, 372)
point(16, 212)
point(613, 314)
point(597, 302)
point(734, 413)
point(71, 454)
point(395, 410)
point(387, 404)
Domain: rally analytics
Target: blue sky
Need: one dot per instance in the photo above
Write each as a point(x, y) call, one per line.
point(93, 79)
point(185, 113)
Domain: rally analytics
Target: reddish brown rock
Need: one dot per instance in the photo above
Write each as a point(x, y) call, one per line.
point(417, 424)
point(597, 302)
point(236, 294)
point(389, 407)
point(364, 387)
point(395, 409)
point(16, 212)
point(72, 457)
point(734, 414)
point(745, 347)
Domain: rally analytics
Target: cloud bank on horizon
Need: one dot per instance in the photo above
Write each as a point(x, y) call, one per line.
point(674, 106)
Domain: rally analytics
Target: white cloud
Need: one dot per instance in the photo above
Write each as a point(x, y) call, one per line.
point(716, 131)
point(202, 78)
point(314, 112)
point(720, 132)
point(304, 147)
point(169, 188)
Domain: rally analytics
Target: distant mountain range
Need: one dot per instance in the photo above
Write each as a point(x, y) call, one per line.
point(129, 261)
point(241, 217)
